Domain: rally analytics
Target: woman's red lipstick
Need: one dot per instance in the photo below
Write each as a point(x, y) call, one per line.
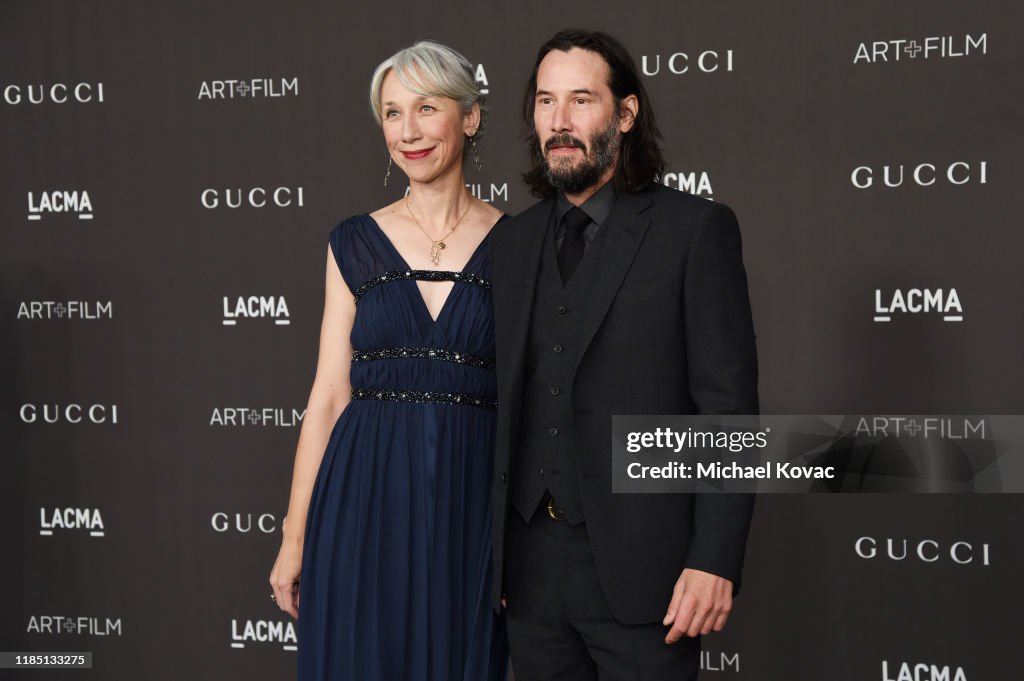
point(417, 155)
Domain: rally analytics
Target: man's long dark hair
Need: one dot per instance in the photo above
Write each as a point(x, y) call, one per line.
point(640, 157)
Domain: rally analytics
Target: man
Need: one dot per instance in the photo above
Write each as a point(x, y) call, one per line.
point(613, 295)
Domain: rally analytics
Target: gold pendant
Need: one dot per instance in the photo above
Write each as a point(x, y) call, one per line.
point(435, 251)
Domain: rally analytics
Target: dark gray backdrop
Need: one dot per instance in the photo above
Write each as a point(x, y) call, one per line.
point(161, 564)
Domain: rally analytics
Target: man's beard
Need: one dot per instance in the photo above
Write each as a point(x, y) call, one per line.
point(603, 150)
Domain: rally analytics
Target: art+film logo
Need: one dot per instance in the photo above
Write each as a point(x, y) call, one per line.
point(65, 309)
point(256, 416)
point(921, 49)
point(488, 192)
point(250, 88)
point(719, 661)
point(82, 625)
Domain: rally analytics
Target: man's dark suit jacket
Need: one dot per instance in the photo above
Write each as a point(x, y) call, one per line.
point(667, 330)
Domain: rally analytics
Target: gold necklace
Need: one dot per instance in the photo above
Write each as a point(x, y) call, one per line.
point(438, 245)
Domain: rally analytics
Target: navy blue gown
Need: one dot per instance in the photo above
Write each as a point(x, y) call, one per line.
point(396, 565)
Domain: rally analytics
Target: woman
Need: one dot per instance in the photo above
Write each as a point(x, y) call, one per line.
point(389, 517)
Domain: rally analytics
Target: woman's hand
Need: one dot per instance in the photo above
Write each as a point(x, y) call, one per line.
point(284, 578)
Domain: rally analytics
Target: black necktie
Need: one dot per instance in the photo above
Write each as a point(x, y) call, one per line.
point(573, 245)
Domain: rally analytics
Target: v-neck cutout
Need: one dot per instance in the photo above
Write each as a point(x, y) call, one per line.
point(405, 265)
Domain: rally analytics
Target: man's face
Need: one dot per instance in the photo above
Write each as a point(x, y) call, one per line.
point(578, 123)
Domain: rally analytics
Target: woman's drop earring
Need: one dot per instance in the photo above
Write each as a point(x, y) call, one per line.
point(476, 157)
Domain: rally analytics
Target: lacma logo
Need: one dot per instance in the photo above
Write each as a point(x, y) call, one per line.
point(907, 671)
point(480, 76)
point(918, 301)
point(51, 519)
point(696, 182)
point(263, 631)
point(256, 307)
point(59, 201)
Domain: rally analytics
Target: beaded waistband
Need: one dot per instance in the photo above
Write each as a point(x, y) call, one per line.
point(421, 397)
point(421, 275)
point(441, 354)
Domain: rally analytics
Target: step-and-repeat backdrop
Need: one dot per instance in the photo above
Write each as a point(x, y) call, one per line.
point(171, 172)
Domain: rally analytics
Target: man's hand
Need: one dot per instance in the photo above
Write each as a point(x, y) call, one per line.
point(701, 603)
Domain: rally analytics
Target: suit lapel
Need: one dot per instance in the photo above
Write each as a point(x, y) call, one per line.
point(626, 229)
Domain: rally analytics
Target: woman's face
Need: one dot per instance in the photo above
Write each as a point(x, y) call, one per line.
point(424, 135)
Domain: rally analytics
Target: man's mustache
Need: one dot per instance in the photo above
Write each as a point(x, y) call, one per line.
point(564, 140)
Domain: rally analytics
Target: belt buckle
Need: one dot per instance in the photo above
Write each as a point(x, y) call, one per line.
point(553, 512)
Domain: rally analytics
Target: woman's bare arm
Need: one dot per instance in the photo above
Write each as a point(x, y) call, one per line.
point(330, 394)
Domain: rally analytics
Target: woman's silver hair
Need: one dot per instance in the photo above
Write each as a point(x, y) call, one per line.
point(430, 69)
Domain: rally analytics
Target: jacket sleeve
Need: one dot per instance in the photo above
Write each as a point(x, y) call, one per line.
point(722, 369)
